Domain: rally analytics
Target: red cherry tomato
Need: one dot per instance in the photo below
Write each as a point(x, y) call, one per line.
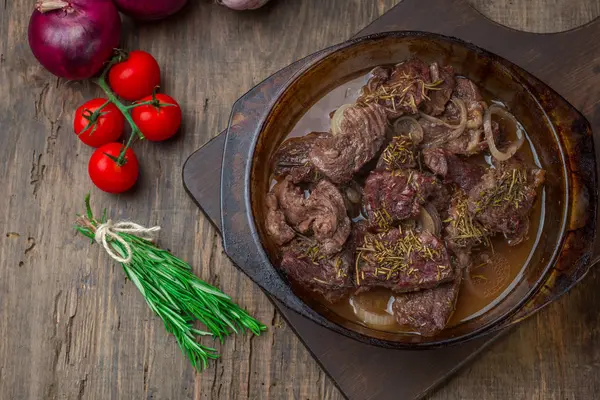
point(106, 127)
point(158, 122)
point(107, 175)
point(135, 77)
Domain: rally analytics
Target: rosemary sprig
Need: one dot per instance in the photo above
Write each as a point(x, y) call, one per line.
point(175, 294)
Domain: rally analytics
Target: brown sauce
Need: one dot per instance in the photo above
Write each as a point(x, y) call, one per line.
point(491, 282)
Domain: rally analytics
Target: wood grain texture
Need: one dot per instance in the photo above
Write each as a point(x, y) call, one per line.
point(542, 16)
point(71, 327)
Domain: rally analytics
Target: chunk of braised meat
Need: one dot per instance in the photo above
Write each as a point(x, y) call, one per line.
point(277, 227)
point(400, 89)
point(402, 260)
point(438, 98)
point(361, 135)
point(403, 150)
point(440, 198)
point(304, 263)
point(292, 158)
point(428, 311)
point(326, 217)
point(466, 89)
point(503, 200)
point(393, 196)
point(451, 133)
point(322, 214)
point(452, 168)
point(400, 153)
point(463, 231)
point(461, 258)
point(358, 232)
point(470, 139)
point(469, 93)
point(291, 201)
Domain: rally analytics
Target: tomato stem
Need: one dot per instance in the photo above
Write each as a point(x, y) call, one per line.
point(122, 107)
point(155, 103)
point(92, 117)
point(121, 159)
point(121, 55)
point(143, 103)
point(112, 98)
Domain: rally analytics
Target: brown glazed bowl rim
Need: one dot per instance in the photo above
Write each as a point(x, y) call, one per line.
point(246, 239)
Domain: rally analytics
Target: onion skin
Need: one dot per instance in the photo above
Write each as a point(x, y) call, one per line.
point(243, 4)
point(73, 39)
point(149, 10)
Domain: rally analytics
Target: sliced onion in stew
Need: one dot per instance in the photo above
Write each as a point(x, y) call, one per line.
point(372, 311)
point(457, 130)
point(336, 120)
point(353, 192)
point(430, 220)
point(408, 126)
point(496, 109)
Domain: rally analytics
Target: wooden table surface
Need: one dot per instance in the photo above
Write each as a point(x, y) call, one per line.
point(71, 327)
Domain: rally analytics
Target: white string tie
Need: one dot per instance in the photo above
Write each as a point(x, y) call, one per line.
point(108, 230)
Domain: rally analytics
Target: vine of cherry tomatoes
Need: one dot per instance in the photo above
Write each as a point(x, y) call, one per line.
point(100, 122)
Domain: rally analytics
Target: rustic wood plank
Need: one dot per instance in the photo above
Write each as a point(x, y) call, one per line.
point(71, 327)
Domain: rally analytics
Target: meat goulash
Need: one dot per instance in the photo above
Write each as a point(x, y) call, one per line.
point(410, 206)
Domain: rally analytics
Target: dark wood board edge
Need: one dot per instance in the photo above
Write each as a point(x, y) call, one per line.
point(206, 198)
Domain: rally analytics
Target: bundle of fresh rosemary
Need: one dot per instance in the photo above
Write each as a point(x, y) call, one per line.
point(169, 287)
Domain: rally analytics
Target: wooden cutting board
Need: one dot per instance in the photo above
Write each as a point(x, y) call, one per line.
point(566, 61)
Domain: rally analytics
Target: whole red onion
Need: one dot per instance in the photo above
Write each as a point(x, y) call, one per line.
point(72, 39)
point(243, 4)
point(149, 9)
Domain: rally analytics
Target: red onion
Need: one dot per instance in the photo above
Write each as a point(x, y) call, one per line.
point(72, 39)
point(243, 4)
point(146, 10)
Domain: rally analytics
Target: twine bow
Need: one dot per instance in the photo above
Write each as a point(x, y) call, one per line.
point(108, 230)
